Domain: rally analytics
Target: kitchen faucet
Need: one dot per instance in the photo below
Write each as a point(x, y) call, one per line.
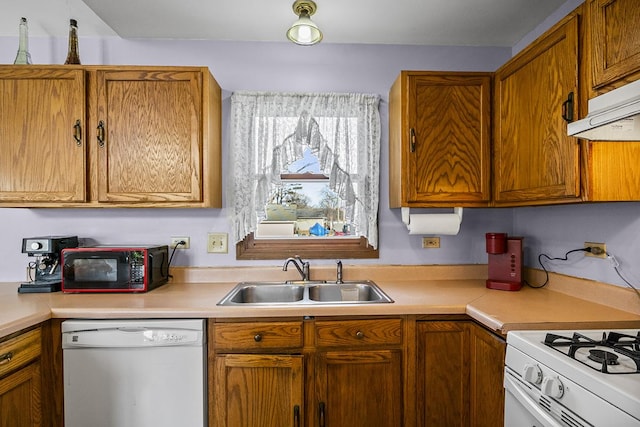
point(301, 266)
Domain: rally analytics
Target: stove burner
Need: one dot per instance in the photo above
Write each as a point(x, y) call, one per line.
point(627, 346)
point(603, 356)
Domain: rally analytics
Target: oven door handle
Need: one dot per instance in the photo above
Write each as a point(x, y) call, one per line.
point(528, 403)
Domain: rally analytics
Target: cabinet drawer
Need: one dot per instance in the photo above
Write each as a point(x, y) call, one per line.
point(19, 351)
point(336, 333)
point(257, 336)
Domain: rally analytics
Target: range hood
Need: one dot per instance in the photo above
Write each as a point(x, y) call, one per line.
point(614, 116)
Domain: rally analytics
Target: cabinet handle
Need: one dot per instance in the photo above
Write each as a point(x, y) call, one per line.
point(6, 358)
point(257, 337)
point(567, 108)
point(360, 335)
point(100, 133)
point(321, 414)
point(77, 133)
point(412, 140)
point(296, 416)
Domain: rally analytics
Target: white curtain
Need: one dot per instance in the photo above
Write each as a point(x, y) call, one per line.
point(269, 131)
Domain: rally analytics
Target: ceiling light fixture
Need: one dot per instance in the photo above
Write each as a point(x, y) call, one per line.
point(304, 31)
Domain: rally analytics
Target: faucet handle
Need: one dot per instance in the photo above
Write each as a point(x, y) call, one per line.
point(338, 271)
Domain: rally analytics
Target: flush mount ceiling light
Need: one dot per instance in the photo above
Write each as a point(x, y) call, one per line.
point(304, 31)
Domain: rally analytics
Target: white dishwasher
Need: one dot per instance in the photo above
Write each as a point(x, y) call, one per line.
point(134, 373)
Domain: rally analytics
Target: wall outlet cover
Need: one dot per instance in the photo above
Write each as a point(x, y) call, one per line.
point(176, 240)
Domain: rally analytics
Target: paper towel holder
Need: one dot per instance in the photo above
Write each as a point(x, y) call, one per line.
point(406, 217)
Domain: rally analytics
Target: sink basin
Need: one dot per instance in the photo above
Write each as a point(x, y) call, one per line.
point(264, 293)
point(348, 292)
point(305, 293)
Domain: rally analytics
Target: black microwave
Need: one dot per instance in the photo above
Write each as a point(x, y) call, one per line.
point(114, 268)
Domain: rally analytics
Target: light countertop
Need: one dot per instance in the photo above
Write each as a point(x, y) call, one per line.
point(440, 294)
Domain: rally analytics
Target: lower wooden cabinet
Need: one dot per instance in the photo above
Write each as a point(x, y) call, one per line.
point(20, 381)
point(487, 374)
point(359, 388)
point(259, 390)
point(459, 375)
point(316, 373)
point(358, 373)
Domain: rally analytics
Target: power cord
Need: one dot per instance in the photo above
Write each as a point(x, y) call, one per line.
point(592, 249)
point(173, 252)
point(565, 258)
point(615, 264)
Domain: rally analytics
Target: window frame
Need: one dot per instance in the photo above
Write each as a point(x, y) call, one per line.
point(256, 249)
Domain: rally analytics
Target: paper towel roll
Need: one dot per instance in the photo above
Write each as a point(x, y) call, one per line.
point(442, 224)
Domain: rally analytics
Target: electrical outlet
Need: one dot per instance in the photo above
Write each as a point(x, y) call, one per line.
point(176, 240)
point(602, 253)
point(217, 243)
point(430, 242)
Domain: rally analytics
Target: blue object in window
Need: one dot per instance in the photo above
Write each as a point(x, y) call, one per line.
point(317, 230)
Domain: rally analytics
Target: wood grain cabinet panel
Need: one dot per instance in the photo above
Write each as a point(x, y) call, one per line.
point(258, 336)
point(259, 391)
point(357, 333)
point(615, 37)
point(359, 388)
point(21, 381)
point(487, 375)
point(43, 147)
point(152, 147)
point(460, 368)
point(443, 373)
point(535, 162)
point(439, 139)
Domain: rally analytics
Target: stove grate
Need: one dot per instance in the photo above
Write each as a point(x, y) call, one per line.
point(627, 345)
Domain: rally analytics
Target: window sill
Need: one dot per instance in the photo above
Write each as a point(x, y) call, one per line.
point(251, 248)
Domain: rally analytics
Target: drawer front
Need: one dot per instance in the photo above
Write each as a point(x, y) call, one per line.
point(336, 333)
point(19, 351)
point(257, 336)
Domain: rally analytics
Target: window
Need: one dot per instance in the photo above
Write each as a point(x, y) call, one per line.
point(305, 174)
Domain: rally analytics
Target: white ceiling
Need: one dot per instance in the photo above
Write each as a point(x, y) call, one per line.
point(413, 22)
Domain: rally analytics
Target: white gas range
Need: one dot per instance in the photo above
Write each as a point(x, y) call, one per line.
point(572, 378)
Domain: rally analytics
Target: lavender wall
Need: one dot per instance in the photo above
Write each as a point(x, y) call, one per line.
point(326, 67)
point(255, 66)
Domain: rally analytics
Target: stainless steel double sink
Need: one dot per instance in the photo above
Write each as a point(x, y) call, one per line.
point(305, 293)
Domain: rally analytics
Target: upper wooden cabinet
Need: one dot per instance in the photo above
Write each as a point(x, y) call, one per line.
point(535, 162)
point(439, 139)
point(133, 136)
point(42, 135)
point(615, 37)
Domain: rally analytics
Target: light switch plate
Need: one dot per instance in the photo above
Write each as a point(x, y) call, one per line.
point(217, 243)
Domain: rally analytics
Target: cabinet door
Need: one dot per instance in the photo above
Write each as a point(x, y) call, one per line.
point(20, 398)
point(487, 373)
point(258, 391)
point(449, 119)
point(42, 126)
point(439, 135)
point(535, 161)
point(615, 39)
point(149, 126)
point(443, 373)
point(359, 388)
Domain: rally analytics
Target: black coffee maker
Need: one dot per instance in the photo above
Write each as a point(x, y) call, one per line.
point(45, 273)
